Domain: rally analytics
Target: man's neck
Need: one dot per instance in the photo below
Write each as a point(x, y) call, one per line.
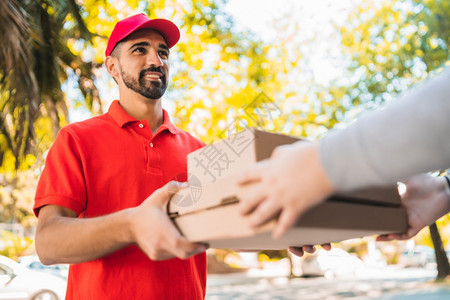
point(143, 108)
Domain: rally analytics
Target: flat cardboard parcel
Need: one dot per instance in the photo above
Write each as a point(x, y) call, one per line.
point(208, 210)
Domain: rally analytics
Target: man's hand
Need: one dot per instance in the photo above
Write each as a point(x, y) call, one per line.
point(299, 251)
point(426, 199)
point(289, 183)
point(154, 232)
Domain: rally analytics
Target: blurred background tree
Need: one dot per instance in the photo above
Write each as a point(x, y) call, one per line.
point(392, 45)
point(34, 57)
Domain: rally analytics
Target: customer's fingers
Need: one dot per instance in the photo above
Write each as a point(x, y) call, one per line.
point(264, 212)
point(286, 220)
point(251, 198)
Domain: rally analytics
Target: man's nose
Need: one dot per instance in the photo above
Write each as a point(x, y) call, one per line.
point(154, 59)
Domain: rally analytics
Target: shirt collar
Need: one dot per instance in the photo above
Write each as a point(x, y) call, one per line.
point(167, 124)
point(121, 118)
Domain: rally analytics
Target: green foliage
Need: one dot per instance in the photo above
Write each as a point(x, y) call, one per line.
point(443, 224)
point(269, 255)
point(217, 70)
point(17, 197)
point(394, 44)
point(15, 246)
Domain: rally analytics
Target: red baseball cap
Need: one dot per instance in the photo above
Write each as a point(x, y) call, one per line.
point(127, 26)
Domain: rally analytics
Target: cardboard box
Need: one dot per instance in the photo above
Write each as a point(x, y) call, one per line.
point(208, 210)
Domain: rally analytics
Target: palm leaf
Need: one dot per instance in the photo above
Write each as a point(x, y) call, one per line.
point(33, 59)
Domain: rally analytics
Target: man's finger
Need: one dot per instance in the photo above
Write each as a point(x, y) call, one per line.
point(392, 236)
point(186, 249)
point(179, 246)
point(174, 186)
point(162, 195)
point(383, 238)
point(298, 251)
point(309, 249)
point(327, 246)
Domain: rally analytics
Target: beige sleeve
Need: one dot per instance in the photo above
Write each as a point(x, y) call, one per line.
point(410, 135)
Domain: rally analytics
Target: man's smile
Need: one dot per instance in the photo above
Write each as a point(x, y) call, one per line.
point(153, 75)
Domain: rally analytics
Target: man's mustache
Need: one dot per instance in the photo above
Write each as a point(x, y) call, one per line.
point(152, 69)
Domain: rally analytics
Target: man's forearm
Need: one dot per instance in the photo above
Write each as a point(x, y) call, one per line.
point(63, 238)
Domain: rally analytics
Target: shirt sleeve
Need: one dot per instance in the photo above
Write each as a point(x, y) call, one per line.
point(406, 137)
point(62, 181)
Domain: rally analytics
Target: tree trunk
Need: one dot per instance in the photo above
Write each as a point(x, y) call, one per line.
point(441, 257)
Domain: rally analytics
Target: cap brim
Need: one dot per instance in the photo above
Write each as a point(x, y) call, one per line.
point(169, 30)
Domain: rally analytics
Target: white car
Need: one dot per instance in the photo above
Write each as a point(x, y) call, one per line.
point(420, 256)
point(330, 264)
point(32, 262)
point(18, 282)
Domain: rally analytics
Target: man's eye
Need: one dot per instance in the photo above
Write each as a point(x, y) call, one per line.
point(164, 54)
point(139, 50)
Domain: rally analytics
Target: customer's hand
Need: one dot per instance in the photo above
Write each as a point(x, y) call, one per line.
point(426, 199)
point(288, 184)
point(154, 232)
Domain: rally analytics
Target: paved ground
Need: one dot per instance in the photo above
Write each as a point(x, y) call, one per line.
point(387, 283)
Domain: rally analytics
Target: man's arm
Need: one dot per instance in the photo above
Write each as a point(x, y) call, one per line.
point(61, 237)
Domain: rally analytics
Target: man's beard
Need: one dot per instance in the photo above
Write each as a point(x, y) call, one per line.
point(147, 88)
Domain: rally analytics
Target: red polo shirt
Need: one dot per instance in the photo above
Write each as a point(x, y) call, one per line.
point(109, 163)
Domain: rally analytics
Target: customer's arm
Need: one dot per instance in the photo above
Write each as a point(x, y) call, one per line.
point(405, 138)
point(61, 237)
point(408, 137)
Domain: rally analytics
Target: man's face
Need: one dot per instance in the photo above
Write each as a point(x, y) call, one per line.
point(144, 63)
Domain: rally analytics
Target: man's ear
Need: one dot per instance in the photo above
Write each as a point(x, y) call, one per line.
point(112, 66)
